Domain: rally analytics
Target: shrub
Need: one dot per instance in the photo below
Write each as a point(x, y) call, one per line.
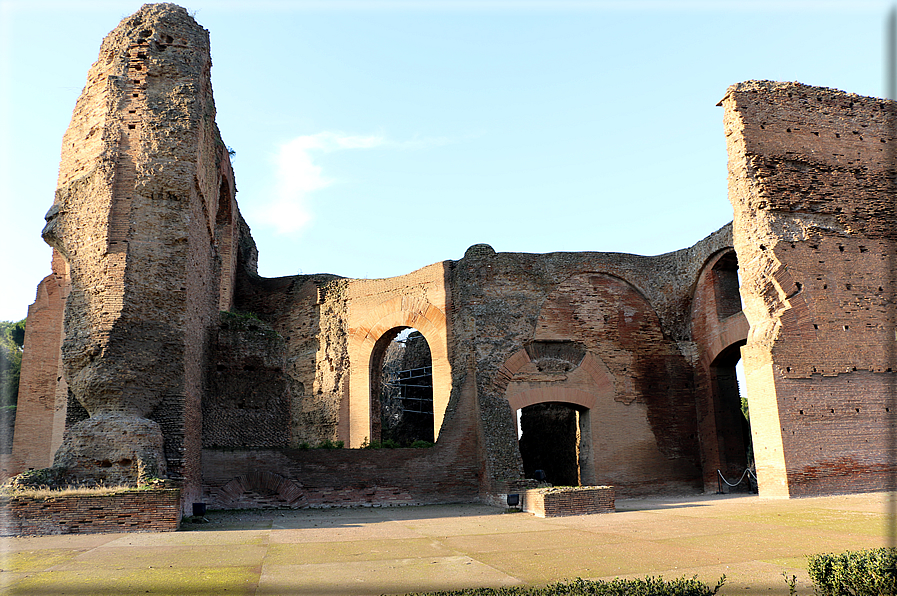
point(419, 444)
point(328, 444)
point(650, 586)
point(855, 573)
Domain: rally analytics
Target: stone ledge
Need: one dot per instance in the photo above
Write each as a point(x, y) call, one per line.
point(568, 500)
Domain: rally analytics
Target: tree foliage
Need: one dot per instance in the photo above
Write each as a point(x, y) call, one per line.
point(12, 343)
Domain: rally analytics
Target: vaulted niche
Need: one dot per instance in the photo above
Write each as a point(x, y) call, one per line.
point(402, 388)
point(726, 284)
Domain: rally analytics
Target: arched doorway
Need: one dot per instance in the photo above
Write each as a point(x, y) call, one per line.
point(402, 388)
point(554, 438)
point(730, 409)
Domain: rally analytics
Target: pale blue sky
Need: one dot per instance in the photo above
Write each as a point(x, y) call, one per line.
point(374, 138)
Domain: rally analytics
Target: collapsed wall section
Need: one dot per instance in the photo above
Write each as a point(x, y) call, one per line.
point(811, 183)
point(335, 334)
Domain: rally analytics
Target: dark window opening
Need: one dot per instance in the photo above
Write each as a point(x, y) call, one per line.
point(725, 284)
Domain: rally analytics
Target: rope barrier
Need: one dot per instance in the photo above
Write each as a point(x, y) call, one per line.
point(746, 472)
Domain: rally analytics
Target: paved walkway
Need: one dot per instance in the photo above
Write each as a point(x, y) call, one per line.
point(398, 550)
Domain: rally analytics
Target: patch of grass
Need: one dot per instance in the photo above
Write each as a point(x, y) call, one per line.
point(45, 492)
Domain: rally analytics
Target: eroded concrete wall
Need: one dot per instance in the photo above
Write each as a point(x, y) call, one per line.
point(145, 218)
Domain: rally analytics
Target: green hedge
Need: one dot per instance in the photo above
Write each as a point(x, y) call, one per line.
point(650, 586)
point(855, 573)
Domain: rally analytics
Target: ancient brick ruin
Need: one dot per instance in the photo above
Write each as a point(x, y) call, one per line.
point(141, 359)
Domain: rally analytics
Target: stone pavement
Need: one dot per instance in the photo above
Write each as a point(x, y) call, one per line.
point(397, 550)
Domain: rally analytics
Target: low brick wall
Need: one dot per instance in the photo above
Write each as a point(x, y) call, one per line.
point(296, 478)
point(126, 511)
point(577, 500)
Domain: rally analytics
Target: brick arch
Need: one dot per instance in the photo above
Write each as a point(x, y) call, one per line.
point(531, 397)
point(397, 312)
point(714, 333)
point(230, 496)
point(592, 364)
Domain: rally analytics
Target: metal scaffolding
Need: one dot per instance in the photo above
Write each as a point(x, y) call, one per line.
point(414, 387)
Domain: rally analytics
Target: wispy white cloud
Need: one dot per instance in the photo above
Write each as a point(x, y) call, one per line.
point(298, 173)
point(297, 176)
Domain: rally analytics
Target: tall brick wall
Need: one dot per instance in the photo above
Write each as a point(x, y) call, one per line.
point(630, 316)
point(811, 181)
point(376, 309)
point(43, 393)
point(719, 328)
point(309, 313)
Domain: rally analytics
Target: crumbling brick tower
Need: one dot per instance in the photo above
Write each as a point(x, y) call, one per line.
point(811, 182)
point(144, 216)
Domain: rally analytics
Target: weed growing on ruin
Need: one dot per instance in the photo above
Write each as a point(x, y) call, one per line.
point(391, 444)
point(791, 583)
point(325, 444)
point(46, 492)
point(328, 444)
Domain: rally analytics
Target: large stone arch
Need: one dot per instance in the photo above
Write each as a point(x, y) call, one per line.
point(397, 312)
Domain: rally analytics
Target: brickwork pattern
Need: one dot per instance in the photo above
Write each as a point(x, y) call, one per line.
point(811, 181)
point(557, 502)
point(638, 370)
point(131, 511)
point(43, 392)
point(339, 477)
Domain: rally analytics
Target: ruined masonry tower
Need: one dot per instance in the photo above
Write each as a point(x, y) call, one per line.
point(811, 181)
point(143, 218)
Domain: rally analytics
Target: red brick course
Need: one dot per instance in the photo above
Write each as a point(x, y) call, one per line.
point(127, 511)
point(556, 502)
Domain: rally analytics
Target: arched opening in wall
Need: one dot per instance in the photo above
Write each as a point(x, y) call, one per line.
point(726, 284)
point(555, 438)
point(733, 427)
point(402, 389)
